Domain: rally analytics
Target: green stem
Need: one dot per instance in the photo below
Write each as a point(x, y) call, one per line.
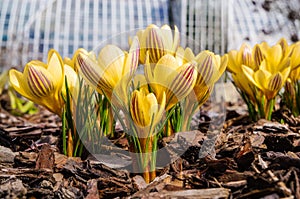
point(64, 131)
point(269, 108)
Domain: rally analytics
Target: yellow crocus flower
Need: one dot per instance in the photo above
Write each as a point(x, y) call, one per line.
point(276, 61)
point(168, 77)
point(146, 112)
point(112, 71)
point(248, 57)
point(158, 41)
point(40, 82)
point(210, 68)
point(269, 83)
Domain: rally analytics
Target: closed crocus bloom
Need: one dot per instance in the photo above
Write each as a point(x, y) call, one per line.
point(269, 83)
point(146, 111)
point(112, 67)
point(168, 77)
point(244, 56)
point(158, 41)
point(41, 83)
point(210, 67)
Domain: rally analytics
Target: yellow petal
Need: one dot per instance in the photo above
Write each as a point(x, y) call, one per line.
point(245, 55)
point(72, 79)
point(164, 69)
point(273, 55)
point(181, 85)
point(233, 66)
point(91, 71)
point(132, 58)
point(202, 94)
point(275, 82)
point(249, 73)
point(295, 61)
point(284, 45)
point(139, 81)
point(285, 73)
point(258, 55)
point(176, 39)
point(111, 60)
point(206, 67)
point(143, 47)
point(167, 37)
point(155, 45)
point(39, 81)
point(55, 68)
point(223, 65)
point(19, 83)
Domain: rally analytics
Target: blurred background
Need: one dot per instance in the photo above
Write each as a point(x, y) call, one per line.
point(29, 28)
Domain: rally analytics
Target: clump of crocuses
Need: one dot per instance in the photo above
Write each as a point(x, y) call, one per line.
point(260, 73)
point(174, 79)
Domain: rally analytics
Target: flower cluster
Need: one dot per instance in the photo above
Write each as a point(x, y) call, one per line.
point(259, 73)
point(173, 77)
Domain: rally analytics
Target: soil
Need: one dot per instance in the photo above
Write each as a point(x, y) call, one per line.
point(250, 160)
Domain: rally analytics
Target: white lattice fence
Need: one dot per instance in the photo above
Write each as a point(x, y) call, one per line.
point(29, 28)
point(205, 24)
point(13, 16)
point(66, 25)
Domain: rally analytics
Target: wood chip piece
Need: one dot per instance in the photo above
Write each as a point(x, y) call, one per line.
point(45, 159)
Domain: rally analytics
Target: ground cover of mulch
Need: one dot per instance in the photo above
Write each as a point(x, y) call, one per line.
point(252, 160)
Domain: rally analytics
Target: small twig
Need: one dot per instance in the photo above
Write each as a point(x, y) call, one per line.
point(281, 184)
point(297, 186)
point(255, 168)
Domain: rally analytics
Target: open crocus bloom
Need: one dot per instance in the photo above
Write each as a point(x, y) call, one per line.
point(158, 41)
point(112, 70)
point(276, 61)
point(41, 83)
point(168, 77)
point(146, 112)
point(269, 83)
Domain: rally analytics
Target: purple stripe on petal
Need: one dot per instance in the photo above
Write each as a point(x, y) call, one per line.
point(35, 83)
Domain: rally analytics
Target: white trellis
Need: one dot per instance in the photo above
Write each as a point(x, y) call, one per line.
point(13, 16)
point(204, 23)
point(29, 28)
point(66, 25)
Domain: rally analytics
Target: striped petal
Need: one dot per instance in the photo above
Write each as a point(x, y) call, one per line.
point(181, 85)
point(39, 81)
point(258, 55)
point(206, 67)
point(132, 58)
point(90, 71)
